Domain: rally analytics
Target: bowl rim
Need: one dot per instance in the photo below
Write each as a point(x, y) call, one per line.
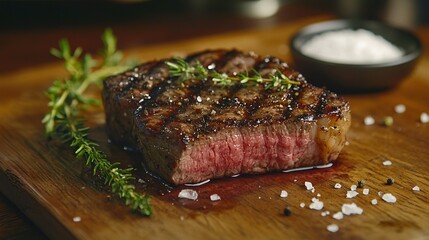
point(339, 24)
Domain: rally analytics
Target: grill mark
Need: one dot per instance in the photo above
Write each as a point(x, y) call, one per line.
point(264, 63)
point(193, 94)
point(320, 109)
point(229, 102)
point(295, 94)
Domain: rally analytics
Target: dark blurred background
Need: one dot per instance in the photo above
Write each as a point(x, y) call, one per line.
point(40, 24)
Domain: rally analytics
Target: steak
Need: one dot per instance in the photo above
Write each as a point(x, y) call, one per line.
point(196, 130)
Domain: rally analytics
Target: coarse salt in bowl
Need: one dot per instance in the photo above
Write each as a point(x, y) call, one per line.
point(354, 55)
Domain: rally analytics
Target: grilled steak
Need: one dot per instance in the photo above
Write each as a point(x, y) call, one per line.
point(196, 130)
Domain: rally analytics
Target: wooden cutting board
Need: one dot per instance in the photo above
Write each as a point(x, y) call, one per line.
point(42, 178)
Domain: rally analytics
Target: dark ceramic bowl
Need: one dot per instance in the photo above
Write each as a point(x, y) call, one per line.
point(356, 77)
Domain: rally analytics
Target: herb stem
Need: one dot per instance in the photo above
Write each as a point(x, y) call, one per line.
point(62, 121)
point(184, 71)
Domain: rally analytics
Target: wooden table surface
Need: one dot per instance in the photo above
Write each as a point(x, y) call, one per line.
point(405, 144)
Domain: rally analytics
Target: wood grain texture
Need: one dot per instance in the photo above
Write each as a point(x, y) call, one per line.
point(51, 188)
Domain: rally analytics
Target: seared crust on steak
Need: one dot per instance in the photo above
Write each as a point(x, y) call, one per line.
point(194, 130)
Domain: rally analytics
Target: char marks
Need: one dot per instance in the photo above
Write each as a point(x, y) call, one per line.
point(184, 110)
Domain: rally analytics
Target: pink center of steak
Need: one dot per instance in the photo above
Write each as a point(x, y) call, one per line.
point(245, 150)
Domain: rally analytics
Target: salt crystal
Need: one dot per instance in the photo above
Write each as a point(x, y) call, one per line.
point(387, 163)
point(302, 205)
point(199, 99)
point(338, 216)
point(353, 187)
point(283, 194)
point(309, 186)
point(368, 120)
point(318, 195)
point(365, 191)
point(424, 117)
point(374, 201)
point(295, 180)
point(337, 185)
point(332, 227)
point(325, 213)
point(388, 197)
point(351, 194)
point(349, 209)
point(400, 108)
point(77, 219)
point(416, 188)
point(316, 205)
point(214, 197)
point(188, 194)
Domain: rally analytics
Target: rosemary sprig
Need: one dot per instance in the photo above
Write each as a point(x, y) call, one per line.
point(184, 71)
point(64, 122)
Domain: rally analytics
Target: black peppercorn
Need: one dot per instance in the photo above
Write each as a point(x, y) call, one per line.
point(390, 181)
point(361, 183)
point(287, 211)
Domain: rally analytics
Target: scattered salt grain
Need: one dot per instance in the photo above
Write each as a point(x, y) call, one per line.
point(77, 219)
point(387, 163)
point(365, 191)
point(332, 227)
point(337, 185)
point(400, 108)
point(338, 216)
point(295, 180)
point(283, 194)
point(318, 195)
point(424, 117)
point(416, 188)
point(374, 201)
point(302, 205)
point(351, 194)
point(380, 193)
point(316, 204)
point(188, 194)
point(368, 120)
point(309, 186)
point(353, 187)
point(352, 208)
point(214, 197)
point(388, 197)
point(325, 213)
point(235, 175)
point(199, 99)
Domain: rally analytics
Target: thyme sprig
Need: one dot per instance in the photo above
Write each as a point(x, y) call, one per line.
point(63, 120)
point(184, 71)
